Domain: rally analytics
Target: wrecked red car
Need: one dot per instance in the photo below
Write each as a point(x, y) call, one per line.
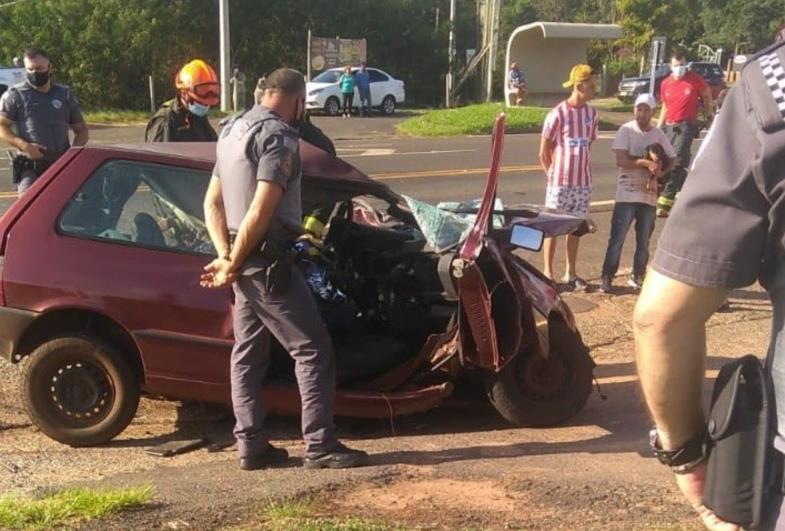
point(100, 296)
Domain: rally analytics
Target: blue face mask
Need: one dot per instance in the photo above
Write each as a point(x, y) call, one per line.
point(198, 109)
point(679, 71)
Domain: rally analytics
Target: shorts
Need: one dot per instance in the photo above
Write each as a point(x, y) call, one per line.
point(572, 199)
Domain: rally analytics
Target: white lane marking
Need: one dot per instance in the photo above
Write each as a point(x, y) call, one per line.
point(606, 202)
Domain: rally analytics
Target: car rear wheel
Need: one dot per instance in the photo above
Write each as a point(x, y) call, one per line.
point(388, 105)
point(332, 106)
point(79, 390)
point(538, 392)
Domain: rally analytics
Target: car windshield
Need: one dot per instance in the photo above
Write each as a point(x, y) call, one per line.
point(442, 229)
point(448, 223)
point(330, 76)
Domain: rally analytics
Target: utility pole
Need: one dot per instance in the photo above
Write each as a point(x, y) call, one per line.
point(223, 19)
point(493, 15)
point(451, 67)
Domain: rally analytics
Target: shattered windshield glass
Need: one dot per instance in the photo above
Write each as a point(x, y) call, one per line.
point(441, 229)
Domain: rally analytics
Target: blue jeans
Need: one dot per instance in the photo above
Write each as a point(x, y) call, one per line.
point(365, 100)
point(623, 216)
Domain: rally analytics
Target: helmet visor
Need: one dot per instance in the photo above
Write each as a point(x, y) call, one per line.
point(207, 93)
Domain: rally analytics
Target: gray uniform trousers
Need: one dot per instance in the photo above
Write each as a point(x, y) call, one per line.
point(680, 136)
point(775, 362)
point(293, 319)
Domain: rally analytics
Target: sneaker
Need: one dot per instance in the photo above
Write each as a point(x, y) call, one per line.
point(605, 285)
point(662, 213)
point(339, 457)
point(576, 283)
point(635, 282)
point(271, 456)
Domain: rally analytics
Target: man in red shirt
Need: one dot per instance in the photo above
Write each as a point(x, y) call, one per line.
point(681, 94)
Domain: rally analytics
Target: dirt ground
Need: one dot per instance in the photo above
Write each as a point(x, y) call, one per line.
point(457, 467)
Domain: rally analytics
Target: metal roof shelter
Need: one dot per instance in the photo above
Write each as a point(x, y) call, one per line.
point(545, 52)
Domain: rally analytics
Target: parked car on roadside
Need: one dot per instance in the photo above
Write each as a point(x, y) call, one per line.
point(631, 87)
point(100, 299)
point(323, 93)
point(10, 76)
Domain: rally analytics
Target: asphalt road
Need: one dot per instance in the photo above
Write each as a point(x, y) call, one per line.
point(433, 170)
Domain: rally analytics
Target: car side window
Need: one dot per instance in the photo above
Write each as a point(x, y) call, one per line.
point(376, 76)
point(141, 204)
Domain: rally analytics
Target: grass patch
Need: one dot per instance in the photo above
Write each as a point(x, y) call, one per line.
point(68, 506)
point(473, 120)
point(124, 117)
point(478, 120)
point(116, 117)
point(300, 515)
point(612, 105)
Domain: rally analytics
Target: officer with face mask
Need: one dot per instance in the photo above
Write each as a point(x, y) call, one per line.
point(681, 93)
point(253, 212)
point(41, 112)
point(184, 119)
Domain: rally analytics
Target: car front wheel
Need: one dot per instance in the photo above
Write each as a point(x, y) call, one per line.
point(388, 105)
point(538, 392)
point(79, 390)
point(332, 106)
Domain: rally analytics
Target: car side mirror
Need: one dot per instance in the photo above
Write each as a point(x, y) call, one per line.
point(527, 237)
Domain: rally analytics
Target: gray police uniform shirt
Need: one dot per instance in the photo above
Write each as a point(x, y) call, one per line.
point(42, 117)
point(258, 146)
point(728, 226)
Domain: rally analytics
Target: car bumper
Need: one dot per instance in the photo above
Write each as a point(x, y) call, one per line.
point(13, 324)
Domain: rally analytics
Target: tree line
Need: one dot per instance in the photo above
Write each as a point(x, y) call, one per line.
point(106, 49)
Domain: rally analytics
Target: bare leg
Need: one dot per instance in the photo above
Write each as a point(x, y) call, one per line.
point(549, 249)
point(572, 254)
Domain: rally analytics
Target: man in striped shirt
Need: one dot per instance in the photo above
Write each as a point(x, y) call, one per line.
point(567, 134)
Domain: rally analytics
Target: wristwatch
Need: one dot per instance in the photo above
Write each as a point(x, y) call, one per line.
point(681, 460)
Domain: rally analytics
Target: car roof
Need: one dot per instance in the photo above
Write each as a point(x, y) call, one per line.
point(316, 163)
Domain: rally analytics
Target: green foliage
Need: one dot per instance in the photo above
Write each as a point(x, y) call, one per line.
point(68, 506)
point(627, 66)
point(106, 49)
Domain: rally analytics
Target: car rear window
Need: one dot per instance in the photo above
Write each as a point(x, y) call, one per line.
point(377, 76)
point(141, 204)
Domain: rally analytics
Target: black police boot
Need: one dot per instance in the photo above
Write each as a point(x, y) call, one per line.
point(271, 456)
point(339, 457)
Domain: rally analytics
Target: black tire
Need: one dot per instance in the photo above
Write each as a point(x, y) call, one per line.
point(388, 105)
point(332, 106)
point(79, 390)
point(531, 391)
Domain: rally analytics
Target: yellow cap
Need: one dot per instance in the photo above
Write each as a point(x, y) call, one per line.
point(578, 74)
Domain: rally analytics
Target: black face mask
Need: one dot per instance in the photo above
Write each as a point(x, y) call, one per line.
point(38, 79)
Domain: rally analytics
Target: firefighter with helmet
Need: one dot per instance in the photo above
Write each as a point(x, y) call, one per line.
point(184, 118)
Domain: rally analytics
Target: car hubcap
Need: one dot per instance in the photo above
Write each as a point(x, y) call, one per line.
point(389, 106)
point(332, 107)
point(543, 379)
point(81, 392)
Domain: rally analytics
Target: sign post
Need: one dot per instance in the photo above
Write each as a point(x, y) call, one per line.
point(657, 56)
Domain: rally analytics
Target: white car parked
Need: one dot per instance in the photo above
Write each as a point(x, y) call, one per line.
point(324, 93)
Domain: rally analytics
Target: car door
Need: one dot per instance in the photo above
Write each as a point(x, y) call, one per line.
point(473, 291)
point(129, 243)
point(379, 86)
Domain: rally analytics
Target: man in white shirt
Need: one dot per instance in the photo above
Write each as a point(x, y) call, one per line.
point(636, 191)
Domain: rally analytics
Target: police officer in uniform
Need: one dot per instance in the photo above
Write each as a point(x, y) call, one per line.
point(726, 231)
point(42, 112)
point(253, 214)
point(184, 118)
point(307, 129)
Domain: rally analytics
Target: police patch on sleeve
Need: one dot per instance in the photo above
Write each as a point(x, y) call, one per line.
point(286, 164)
